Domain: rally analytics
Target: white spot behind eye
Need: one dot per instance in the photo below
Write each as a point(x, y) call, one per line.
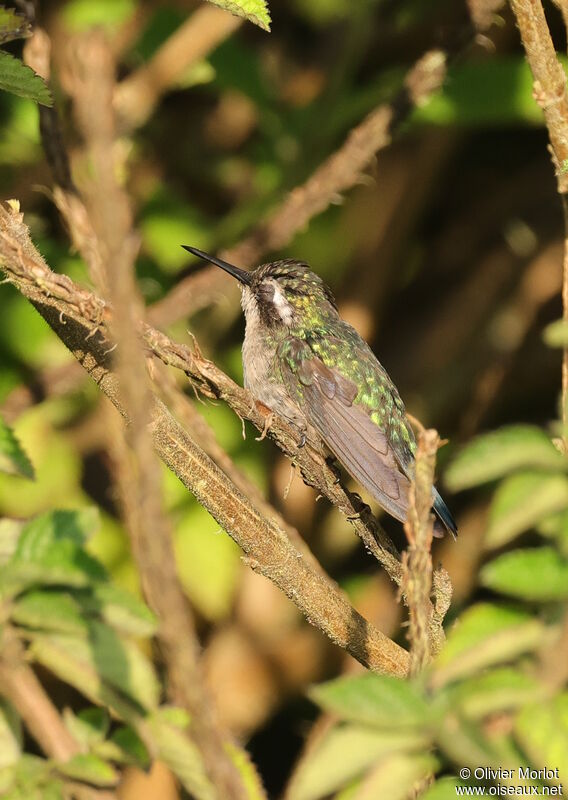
point(282, 305)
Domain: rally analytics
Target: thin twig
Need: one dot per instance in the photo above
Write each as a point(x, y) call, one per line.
point(551, 93)
point(417, 560)
point(92, 81)
point(269, 550)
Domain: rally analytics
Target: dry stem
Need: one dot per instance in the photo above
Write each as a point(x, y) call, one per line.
point(551, 93)
point(417, 560)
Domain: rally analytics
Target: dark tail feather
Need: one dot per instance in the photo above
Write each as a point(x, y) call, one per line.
point(444, 514)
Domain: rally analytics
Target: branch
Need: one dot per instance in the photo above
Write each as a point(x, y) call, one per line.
point(340, 172)
point(79, 318)
point(417, 561)
point(551, 93)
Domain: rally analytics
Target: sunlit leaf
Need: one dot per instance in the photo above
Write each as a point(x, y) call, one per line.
point(522, 501)
point(254, 10)
point(556, 334)
point(89, 726)
point(395, 776)
point(12, 25)
point(248, 772)
point(81, 15)
point(542, 731)
point(19, 79)
point(498, 453)
point(343, 753)
point(125, 747)
point(121, 609)
point(378, 700)
point(10, 530)
point(180, 754)
point(531, 574)
point(91, 769)
point(493, 691)
point(485, 635)
point(103, 654)
point(51, 611)
point(443, 789)
point(11, 735)
point(13, 458)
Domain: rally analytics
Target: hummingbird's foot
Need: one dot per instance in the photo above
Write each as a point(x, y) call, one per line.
point(335, 469)
point(303, 440)
point(267, 423)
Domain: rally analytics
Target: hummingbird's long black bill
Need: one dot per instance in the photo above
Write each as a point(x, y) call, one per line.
point(240, 274)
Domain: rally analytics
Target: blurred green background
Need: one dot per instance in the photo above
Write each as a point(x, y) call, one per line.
point(446, 257)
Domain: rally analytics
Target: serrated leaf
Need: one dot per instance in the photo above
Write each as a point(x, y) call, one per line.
point(91, 769)
point(10, 735)
point(13, 457)
point(343, 753)
point(532, 574)
point(12, 25)
point(395, 776)
point(465, 742)
point(556, 334)
point(495, 454)
point(521, 502)
point(255, 11)
point(88, 727)
point(106, 655)
point(52, 545)
point(248, 772)
point(542, 732)
point(378, 700)
point(485, 635)
point(17, 78)
point(51, 611)
point(492, 692)
point(179, 753)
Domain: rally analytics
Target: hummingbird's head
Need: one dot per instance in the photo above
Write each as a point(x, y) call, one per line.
point(281, 293)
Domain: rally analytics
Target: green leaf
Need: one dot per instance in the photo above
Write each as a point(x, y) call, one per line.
point(248, 772)
point(493, 692)
point(180, 754)
point(12, 25)
point(343, 753)
point(121, 609)
point(17, 78)
point(465, 742)
point(125, 747)
point(395, 777)
point(10, 735)
point(10, 530)
point(91, 769)
point(521, 502)
point(254, 10)
point(531, 574)
point(443, 789)
point(53, 528)
point(103, 656)
point(485, 635)
point(556, 334)
point(50, 611)
point(542, 731)
point(81, 15)
point(498, 453)
point(13, 458)
point(88, 727)
point(378, 700)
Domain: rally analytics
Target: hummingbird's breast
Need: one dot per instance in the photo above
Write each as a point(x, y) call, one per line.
point(261, 371)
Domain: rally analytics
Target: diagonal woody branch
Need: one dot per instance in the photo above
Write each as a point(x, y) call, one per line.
point(80, 318)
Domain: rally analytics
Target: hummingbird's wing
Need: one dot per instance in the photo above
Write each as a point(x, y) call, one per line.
point(345, 426)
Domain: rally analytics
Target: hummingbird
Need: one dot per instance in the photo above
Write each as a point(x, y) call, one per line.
point(308, 365)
